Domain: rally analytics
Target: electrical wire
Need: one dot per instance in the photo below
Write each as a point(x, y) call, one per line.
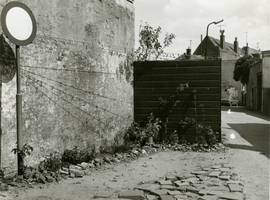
point(62, 91)
point(93, 93)
point(50, 99)
point(75, 106)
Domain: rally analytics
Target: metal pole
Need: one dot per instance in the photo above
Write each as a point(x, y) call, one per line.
point(19, 114)
point(207, 35)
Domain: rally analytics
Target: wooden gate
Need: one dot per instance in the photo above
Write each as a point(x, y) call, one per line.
point(156, 81)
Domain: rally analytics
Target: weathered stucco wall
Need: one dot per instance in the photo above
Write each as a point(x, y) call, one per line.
point(76, 78)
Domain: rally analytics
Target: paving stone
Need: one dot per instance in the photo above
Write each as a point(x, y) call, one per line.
point(208, 197)
point(166, 197)
point(103, 195)
point(75, 167)
point(148, 187)
point(207, 169)
point(151, 197)
point(41, 179)
point(217, 193)
point(226, 165)
point(202, 192)
point(159, 192)
point(198, 186)
point(211, 183)
point(97, 160)
point(225, 169)
point(235, 187)
point(50, 179)
point(168, 182)
point(226, 174)
point(216, 166)
point(214, 174)
point(180, 183)
point(174, 192)
point(171, 178)
point(218, 188)
point(191, 180)
point(191, 194)
point(232, 182)
point(185, 176)
point(107, 159)
point(72, 175)
point(192, 189)
point(132, 194)
point(167, 187)
point(63, 172)
point(86, 172)
point(180, 196)
point(204, 178)
point(232, 196)
point(83, 165)
point(225, 178)
point(182, 188)
point(200, 172)
point(77, 173)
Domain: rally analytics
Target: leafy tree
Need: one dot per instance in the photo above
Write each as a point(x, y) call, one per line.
point(242, 67)
point(150, 45)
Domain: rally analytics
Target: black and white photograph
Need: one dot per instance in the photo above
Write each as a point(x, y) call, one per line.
point(134, 99)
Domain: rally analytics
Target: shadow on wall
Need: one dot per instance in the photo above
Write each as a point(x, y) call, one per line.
point(256, 134)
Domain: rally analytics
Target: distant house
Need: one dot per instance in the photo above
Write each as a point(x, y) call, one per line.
point(211, 48)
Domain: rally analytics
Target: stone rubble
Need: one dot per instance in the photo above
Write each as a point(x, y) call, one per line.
point(201, 183)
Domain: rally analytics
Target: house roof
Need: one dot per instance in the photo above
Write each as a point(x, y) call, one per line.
point(254, 51)
point(191, 57)
point(228, 47)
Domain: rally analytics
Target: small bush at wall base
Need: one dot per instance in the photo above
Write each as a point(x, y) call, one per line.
point(206, 135)
point(76, 156)
point(53, 163)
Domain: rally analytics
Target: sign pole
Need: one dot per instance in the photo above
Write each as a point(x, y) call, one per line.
point(19, 26)
point(19, 114)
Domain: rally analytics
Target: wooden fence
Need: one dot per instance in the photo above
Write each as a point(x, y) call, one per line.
point(154, 80)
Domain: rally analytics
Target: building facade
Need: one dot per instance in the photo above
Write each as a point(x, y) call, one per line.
point(76, 79)
point(258, 86)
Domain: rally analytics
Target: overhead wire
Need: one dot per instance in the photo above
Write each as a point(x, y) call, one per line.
point(62, 91)
point(98, 119)
point(50, 99)
point(93, 93)
point(73, 70)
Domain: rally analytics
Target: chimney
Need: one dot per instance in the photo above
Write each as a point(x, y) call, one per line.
point(222, 39)
point(246, 50)
point(188, 51)
point(188, 54)
point(235, 45)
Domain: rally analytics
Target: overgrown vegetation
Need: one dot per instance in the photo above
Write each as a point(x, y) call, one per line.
point(76, 156)
point(205, 136)
point(242, 68)
point(150, 45)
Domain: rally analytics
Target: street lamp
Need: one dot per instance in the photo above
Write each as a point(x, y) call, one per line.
point(207, 35)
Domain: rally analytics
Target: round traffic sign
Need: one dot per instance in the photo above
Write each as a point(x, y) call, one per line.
point(18, 23)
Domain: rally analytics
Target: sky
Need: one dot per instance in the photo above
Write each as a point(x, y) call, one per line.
point(248, 20)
